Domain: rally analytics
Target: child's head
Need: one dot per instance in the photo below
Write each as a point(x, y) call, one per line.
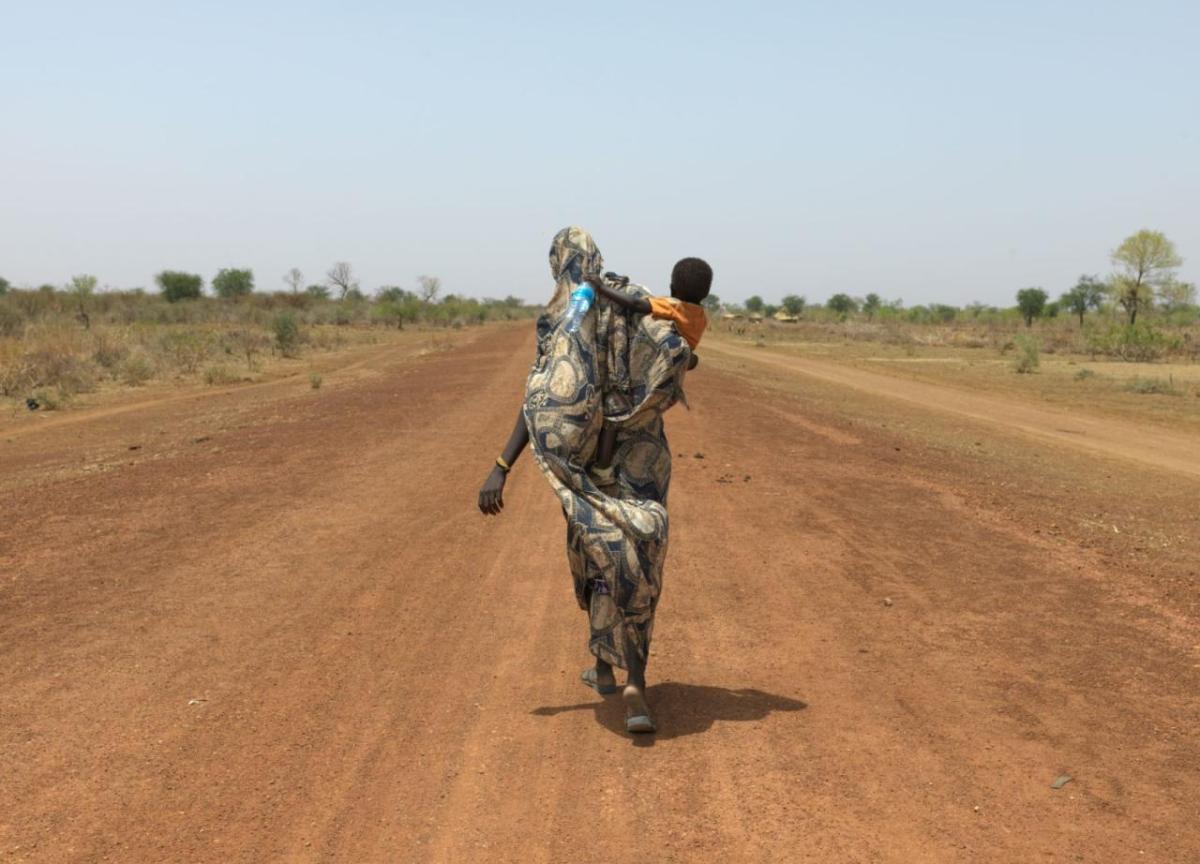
point(690, 279)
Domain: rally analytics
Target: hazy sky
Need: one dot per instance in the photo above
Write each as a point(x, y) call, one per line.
point(934, 151)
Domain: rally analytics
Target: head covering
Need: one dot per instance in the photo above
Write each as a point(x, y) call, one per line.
point(573, 254)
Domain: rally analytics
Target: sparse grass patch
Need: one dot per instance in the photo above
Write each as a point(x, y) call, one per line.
point(1157, 386)
point(1084, 375)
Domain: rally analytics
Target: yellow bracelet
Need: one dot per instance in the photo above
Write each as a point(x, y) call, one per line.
point(504, 466)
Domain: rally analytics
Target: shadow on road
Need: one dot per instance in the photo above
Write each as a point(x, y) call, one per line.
point(683, 709)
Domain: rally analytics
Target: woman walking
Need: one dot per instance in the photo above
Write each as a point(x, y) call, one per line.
point(626, 370)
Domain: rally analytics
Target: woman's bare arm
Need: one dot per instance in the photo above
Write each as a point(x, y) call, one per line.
point(491, 494)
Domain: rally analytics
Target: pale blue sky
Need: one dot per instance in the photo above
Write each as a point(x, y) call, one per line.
point(934, 151)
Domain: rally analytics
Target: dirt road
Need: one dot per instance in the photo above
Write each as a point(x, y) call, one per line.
point(1103, 435)
point(277, 630)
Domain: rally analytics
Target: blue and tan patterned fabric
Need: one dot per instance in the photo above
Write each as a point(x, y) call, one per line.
point(627, 369)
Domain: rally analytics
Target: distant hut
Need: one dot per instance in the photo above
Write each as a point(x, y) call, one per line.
point(783, 316)
point(731, 316)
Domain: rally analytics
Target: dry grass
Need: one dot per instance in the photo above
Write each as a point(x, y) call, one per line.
point(984, 358)
point(50, 353)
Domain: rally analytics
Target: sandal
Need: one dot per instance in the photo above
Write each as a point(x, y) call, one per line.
point(588, 677)
point(637, 713)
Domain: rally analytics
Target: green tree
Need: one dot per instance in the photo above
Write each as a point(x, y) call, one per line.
point(394, 294)
point(1175, 296)
point(712, 303)
point(317, 292)
point(177, 285)
point(231, 283)
point(793, 304)
point(1145, 261)
point(754, 304)
point(843, 304)
point(1032, 303)
point(942, 313)
point(1088, 293)
point(871, 305)
point(4, 285)
point(399, 310)
point(769, 310)
point(82, 287)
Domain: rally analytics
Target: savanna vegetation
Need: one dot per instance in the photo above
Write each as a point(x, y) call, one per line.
point(57, 341)
point(1140, 312)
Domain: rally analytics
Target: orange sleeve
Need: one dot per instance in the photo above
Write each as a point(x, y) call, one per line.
point(689, 318)
point(662, 307)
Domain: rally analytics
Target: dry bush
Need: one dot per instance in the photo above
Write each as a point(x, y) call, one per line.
point(109, 348)
point(187, 349)
point(1026, 359)
point(216, 376)
point(247, 344)
point(136, 369)
point(16, 370)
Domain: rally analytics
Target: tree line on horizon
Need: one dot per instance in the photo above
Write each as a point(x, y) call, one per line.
point(1145, 265)
point(1144, 278)
point(391, 304)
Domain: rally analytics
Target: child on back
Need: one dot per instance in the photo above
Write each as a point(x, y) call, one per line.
point(691, 279)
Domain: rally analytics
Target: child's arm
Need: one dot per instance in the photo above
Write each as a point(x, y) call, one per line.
point(639, 305)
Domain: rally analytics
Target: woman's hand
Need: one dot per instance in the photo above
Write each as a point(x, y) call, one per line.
point(491, 494)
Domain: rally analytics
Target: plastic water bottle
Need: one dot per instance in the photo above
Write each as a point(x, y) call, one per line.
point(581, 301)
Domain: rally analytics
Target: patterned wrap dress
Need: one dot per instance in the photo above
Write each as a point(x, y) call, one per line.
point(626, 369)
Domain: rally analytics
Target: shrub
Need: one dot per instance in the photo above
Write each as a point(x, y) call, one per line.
point(50, 398)
point(1084, 374)
point(218, 375)
point(177, 286)
point(1025, 360)
point(231, 283)
point(108, 351)
point(314, 381)
point(137, 369)
point(187, 348)
point(287, 333)
point(1130, 342)
point(57, 365)
point(16, 371)
point(12, 322)
point(1153, 386)
point(246, 343)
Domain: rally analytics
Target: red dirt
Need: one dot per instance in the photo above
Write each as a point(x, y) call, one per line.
point(282, 632)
